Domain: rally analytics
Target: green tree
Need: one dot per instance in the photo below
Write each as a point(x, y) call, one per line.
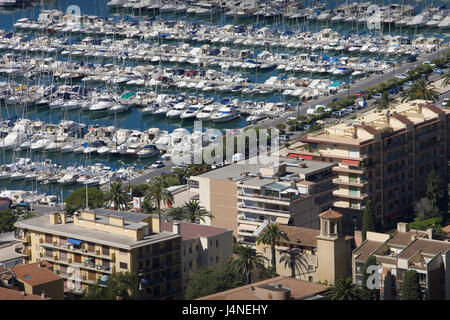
point(369, 222)
point(425, 209)
point(77, 199)
point(295, 260)
point(210, 280)
point(193, 211)
point(343, 289)
point(271, 235)
point(176, 213)
point(366, 293)
point(246, 261)
point(7, 220)
point(420, 89)
point(411, 288)
point(434, 187)
point(118, 197)
point(157, 193)
point(384, 101)
point(446, 78)
point(119, 286)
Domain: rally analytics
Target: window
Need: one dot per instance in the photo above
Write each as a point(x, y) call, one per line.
point(190, 249)
point(210, 242)
point(210, 259)
point(196, 248)
point(123, 265)
point(217, 259)
point(217, 243)
point(123, 252)
point(310, 279)
point(190, 264)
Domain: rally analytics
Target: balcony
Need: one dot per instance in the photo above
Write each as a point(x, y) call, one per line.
point(249, 196)
point(347, 195)
point(161, 252)
point(83, 279)
point(24, 238)
point(264, 210)
point(355, 182)
point(243, 219)
point(23, 251)
point(82, 265)
point(347, 170)
point(66, 247)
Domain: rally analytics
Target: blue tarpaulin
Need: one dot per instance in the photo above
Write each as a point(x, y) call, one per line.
point(74, 241)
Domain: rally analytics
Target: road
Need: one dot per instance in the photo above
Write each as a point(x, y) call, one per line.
point(356, 87)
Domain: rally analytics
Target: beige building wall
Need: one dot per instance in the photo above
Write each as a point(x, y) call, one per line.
point(223, 199)
point(333, 259)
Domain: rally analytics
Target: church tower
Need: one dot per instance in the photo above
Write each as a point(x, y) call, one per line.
point(333, 250)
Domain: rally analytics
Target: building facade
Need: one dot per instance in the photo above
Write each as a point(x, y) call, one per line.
point(383, 156)
point(201, 246)
point(312, 255)
point(246, 197)
point(401, 251)
point(88, 247)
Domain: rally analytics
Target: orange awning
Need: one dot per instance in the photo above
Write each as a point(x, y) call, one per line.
point(303, 156)
point(350, 162)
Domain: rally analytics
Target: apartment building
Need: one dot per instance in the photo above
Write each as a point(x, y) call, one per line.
point(201, 245)
point(319, 255)
point(384, 156)
point(406, 250)
point(88, 247)
point(245, 197)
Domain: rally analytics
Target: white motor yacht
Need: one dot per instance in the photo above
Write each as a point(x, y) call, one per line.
point(102, 105)
point(224, 114)
point(206, 113)
point(192, 111)
point(177, 110)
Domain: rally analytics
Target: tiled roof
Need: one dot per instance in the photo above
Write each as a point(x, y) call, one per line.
point(299, 289)
point(33, 274)
point(404, 238)
point(10, 294)
point(193, 230)
point(302, 236)
point(427, 246)
point(366, 249)
point(330, 214)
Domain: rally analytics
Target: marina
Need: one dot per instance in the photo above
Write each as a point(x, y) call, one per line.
point(121, 85)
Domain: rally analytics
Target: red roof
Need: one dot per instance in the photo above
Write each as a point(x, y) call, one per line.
point(10, 294)
point(193, 230)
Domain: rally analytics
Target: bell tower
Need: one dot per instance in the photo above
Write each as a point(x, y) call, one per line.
point(333, 250)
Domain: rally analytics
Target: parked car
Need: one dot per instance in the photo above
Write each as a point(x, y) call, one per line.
point(360, 93)
point(393, 91)
point(408, 83)
point(438, 71)
point(158, 164)
point(411, 58)
point(376, 96)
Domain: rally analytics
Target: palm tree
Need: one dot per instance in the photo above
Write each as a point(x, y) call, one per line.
point(246, 260)
point(343, 289)
point(446, 79)
point(157, 193)
point(384, 101)
point(119, 198)
point(176, 213)
point(294, 259)
point(193, 211)
point(420, 89)
point(271, 235)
